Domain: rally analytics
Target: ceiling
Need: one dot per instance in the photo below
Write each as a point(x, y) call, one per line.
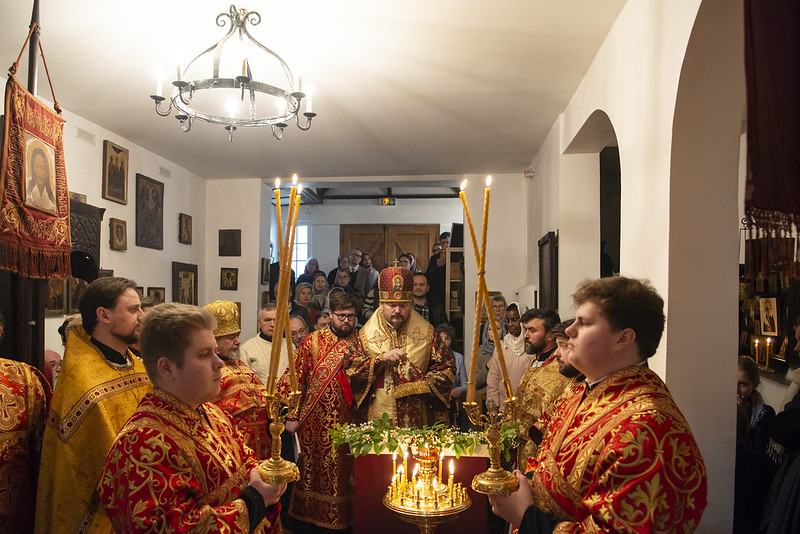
point(421, 91)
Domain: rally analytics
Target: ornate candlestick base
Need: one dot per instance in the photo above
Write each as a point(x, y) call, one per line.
point(276, 470)
point(495, 480)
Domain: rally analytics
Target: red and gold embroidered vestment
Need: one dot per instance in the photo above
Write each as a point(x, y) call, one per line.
point(172, 469)
point(324, 494)
point(415, 392)
point(622, 459)
point(24, 396)
point(244, 398)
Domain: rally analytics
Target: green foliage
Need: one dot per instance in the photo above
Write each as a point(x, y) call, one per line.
point(378, 435)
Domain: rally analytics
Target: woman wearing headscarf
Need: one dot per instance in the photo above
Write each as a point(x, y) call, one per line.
point(311, 270)
point(319, 291)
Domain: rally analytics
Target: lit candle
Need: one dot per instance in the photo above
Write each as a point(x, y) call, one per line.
point(289, 343)
point(414, 475)
point(757, 351)
point(473, 365)
point(405, 462)
point(400, 478)
point(450, 480)
point(392, 486)
point(441, 457)
point(769, 345)
point(394, 462)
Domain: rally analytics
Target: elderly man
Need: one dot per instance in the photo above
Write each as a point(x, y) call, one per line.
point(617, 456)
point(100, 384)
point(256, 351)
point(402, 372)
point(323, 497)
point(180, 464)
point(242, 395)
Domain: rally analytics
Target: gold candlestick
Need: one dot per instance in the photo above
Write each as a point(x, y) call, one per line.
point(276, 470)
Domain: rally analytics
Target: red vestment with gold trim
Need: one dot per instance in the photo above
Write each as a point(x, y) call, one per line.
point(244, 398)
point(24, 396)
point(622, 459)
point(324, 494)
point(171, 469)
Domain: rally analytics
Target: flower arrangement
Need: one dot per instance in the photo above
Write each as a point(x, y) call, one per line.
point(378, 435)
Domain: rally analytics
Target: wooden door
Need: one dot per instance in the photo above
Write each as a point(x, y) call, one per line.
point(386, 242)
point(414, 238)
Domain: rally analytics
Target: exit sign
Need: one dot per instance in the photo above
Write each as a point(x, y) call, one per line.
point(388, 201)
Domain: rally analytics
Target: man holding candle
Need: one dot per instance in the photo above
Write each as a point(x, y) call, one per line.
point(402, 371)
point(323, 497)
point(179, 463)
point(243, 395)
point(617, 455)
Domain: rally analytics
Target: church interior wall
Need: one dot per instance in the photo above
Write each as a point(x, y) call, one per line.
point(184, 192)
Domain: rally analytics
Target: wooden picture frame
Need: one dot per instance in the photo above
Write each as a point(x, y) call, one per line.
point(117, 234)
point(149, 212)
point(80, 197)
point(157, 293)
point(56, 297)
point(230, 242)
point(184, 229)
point(184, 283)
point(229, 278)
point(115, 172)
point(139, 291)
point(105, 273)
point(264, 271)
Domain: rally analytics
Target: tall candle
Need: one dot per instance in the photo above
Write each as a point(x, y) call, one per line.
point(405, 462)
point(288, 265)
point(473, 365)
point(757, 351)
point(394, 462)
point(159, 86)
point(769, 345)
point(441, 457)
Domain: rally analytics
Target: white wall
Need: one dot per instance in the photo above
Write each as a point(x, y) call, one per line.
point(184, 192)
point(234, 204)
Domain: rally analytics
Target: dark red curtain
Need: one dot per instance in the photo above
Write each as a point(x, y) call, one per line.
point(772, 63)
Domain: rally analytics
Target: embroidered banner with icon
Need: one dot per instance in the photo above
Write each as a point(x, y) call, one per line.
point(34, 198)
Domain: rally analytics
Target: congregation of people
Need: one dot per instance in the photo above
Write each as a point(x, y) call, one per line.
point(156, 418)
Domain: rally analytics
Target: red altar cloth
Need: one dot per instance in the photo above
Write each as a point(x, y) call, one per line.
point(372, 476)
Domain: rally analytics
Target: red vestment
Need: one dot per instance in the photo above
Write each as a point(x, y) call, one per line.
point(172, 469)
point(324, 494)
point(24, 396)
point(622, 459)
point(244, 398)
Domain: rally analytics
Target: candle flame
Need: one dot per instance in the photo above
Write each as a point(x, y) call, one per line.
point(405, 455)
point(489, 181)
point(299, 189)
point(294, 179)
point(400, 470)
point(756, 342)
point(394, 478)
point(394, 456)
point(452, 467)
point(416, 470)
point(441, 456)
point(464, 184)
point(277, 183)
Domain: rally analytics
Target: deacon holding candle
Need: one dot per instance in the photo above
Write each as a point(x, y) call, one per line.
point(403, 371)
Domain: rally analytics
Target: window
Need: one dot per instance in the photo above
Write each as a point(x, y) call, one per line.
point(300, 256)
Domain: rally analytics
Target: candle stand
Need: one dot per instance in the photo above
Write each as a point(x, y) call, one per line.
point(424, 499)
point(495, 480)
point(276, 470)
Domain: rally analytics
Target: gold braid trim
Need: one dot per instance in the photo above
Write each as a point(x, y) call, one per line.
point(411, 388)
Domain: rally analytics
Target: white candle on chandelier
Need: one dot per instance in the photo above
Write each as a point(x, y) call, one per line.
point(309, 109)
point(180, 75)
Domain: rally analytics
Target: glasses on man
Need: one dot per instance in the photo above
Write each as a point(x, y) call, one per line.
point(345, 316)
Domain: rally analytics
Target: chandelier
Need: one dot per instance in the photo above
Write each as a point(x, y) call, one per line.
point(228, 96)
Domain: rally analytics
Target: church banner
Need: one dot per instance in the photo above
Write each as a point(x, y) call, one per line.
point(34, 198)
